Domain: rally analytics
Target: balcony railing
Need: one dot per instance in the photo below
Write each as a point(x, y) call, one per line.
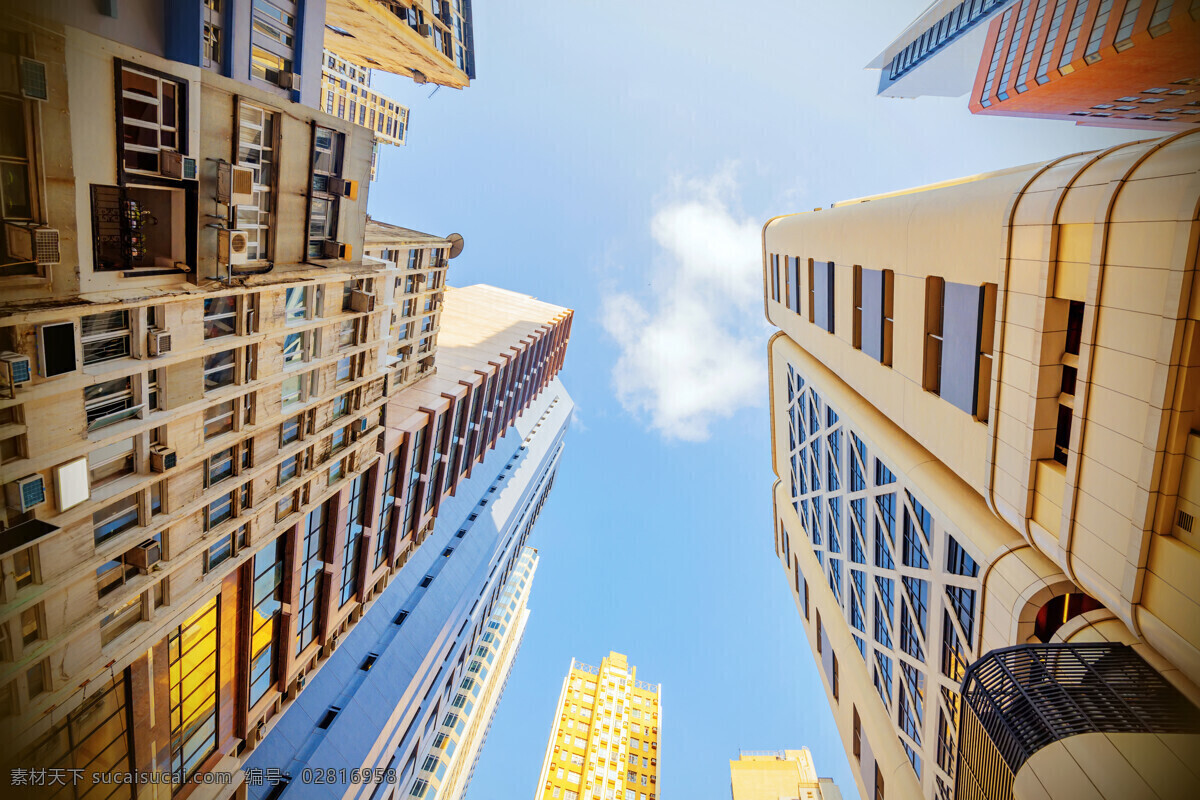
point(1021, 699)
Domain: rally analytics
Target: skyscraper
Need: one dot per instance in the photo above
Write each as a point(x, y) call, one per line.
point(776, 774)
point(604, 740)
point(346, 92)
point(982, 442)
point(1127, 63)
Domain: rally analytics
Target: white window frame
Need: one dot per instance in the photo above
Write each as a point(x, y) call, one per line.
point(256, 149)
point(157, 125)
point(112, 334)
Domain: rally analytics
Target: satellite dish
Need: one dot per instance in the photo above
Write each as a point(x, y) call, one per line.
point(456, 244)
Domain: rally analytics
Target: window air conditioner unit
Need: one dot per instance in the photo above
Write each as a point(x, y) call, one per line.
point(145, 555)
point(423, 29)
point(56, 349)
point(26, 493)
point(362, 301)
point(159, 342)
point(289, 80)
point(235, 185)
point(333, 249)
point(232, 247)
point(32, 243)
point(33, 79)
point(173, 164)
point(343, 187)
point(15, 369)
point(162, 458)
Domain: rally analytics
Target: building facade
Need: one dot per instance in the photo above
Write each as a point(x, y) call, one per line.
point(604, 740)
point(204, 411)
point(1114, 63)
point(981, 434)
point(431, 41)
point(409, 696)
point(779, 775)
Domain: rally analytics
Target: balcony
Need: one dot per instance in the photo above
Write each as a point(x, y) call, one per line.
point(1019, 700)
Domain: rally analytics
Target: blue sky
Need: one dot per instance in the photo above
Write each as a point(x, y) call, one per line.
point(620, 158)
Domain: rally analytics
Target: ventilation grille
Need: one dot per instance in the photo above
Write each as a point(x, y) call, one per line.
point(1185, 521)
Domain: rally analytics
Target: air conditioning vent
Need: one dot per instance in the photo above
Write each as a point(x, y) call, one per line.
point(26, 493)
point(232, 247)
point(159, 342)
point(1184, 522)
point(162, 458)
point(15, 369)
point(33, 80)
point(31, 243)
point(362, 301)
point(235, 185)
point(170, 163)
point(145, 555)
point(343, 187)
point(338, 250)
point(423, 29)
point(289, 80)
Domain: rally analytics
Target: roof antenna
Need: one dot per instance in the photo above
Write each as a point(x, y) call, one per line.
point(435, 88)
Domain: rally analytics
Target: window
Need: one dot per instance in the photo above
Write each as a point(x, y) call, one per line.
point(220, 369)
point(297, 388)
point(152, 116)
point(192, 670)
point(959, 331)
point(110, 462)
point(220, 510)
point(878, 783)
point(289, 430)
point(17, 198)
point(873, 313)
point(821, 293)
point(23, 567)
point(35, 678)
point(109, 402)
point(311, 568)
point(856, 735)
point(105, 336)
point(834, 676)
point(323, 204)
point(297, 347)
point(256, 151)
point(346, 334)
point(31, 628)
point(296, 307)
point(355, 512)
point(218, 419)
point(345, 370)
point(219, 466)
point(264, 613)
point(268, 66)
point(220, 317)
point(121, 618)
point(115, 518)
point(289, 468)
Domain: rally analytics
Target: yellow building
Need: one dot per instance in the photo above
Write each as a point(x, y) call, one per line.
point(431, 41)
point(779, 775)
point(983, 404)
point(347, 94)
point(604, 741)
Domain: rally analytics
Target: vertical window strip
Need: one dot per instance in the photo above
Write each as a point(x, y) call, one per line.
point(1060, 8)
point(985, 95)
point(1014, 40)
point(1027, 57)
point(192, 666)
point(1091, 53)
point(1068, 52)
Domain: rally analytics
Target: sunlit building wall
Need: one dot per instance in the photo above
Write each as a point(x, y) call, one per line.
point(604, 741)
point(779, 775)
point(982, 429)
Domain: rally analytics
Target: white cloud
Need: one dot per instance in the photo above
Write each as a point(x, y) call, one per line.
point(694, 351)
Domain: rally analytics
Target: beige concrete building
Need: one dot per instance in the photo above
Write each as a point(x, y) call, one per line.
point(205, 410)
point(779, 775)
point(431, 41)
point(604, 742)
point(346, 93)
point(983, 429)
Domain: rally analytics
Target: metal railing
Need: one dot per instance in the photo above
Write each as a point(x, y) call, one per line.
point(1020, 699)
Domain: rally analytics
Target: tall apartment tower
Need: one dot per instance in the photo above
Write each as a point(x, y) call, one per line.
point(431, 41)
point(986, 443)
point(1113, 63)
point(604, 741)
point(776, 774)
point(473, 451)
